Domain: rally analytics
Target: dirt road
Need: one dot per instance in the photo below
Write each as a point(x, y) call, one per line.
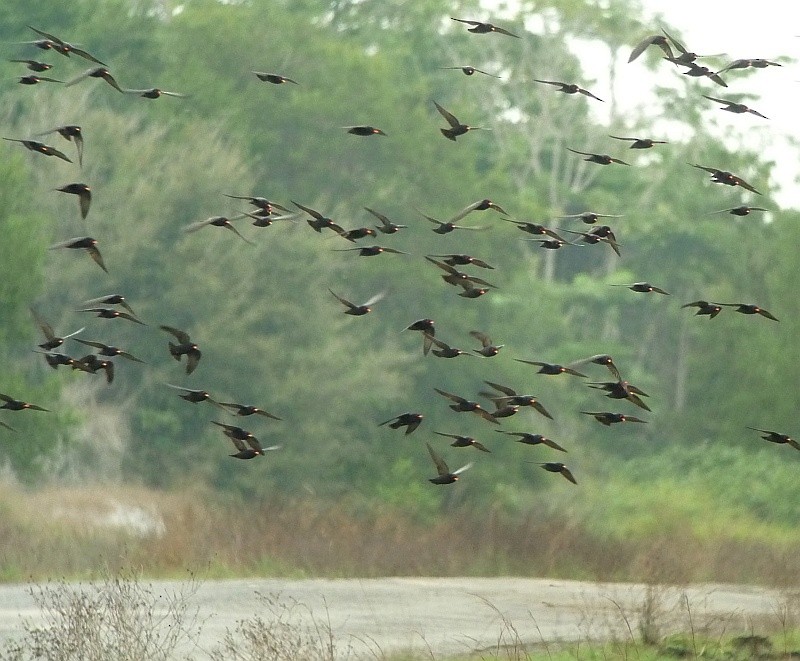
point(447, 616)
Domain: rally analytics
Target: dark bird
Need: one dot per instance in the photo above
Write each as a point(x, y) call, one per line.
point(488, 349)
point(697, 71)
point(640, 143)
point(386, 226)
point(601, 159)
point(363, 130)
point(604, 235)
point(426, 327)
point(734, 107)
point(558, 467)
point(532, 439)
point(86, 243)
point(443, 227)
point(70, 133)
point(659, 40)
point(319, 222)
point(155, 92)
point(185, 347)
point(466, 70)
point(111, 299)
point(704, 308)
point(622, 390)
point(444, 350)
point(245, 410)
point(551, 369)
point(357, 233)
point(457, 278)
point(685, 56)
point(84, 194)
point(479, 27)
point(480, 205)
point(64, 47)
point(606, 418)
point(643, 288)
point(599, 359)
point(775, 437)
point(568, 88)
point(590, 217)
point(35, 80)
point(462, 260)
point(741, 210)
point(456, 127)
point(444, 475)
point(535, 228)
point(358, 310)
point(757, 63)
point(52, 340)
point(11, 404)
point(725, 177)
point(472, 292)
point(372, 251)
point(408, 420)
point(109, 350)
point(97, 72)
point(464, 441)
point(196, 396)
point(513, 398)
point(94, 364)
point(41, 148)
point(262, 203)
point(746, 308)
point(240, 434)
point(274, 78)
point(463, 405)
point(111, 313)
point(35, 65)
point(56, 360)
point(245, 452)
point(551, 244)
point(219, 221)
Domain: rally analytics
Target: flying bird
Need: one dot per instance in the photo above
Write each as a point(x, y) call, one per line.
point(513, 398)
point(456, 127)
point(93, 364)
point(467, 70)
point(532, 439)
point(196, 396)
point(478, 27)
point(569, 88)
point(111, 299)
point(443, 227)
point(155, 93)
point(64, 47)
point(364, 130)
point(488, 349)
point(622, 390)
point(462, 260)
point(638, 143)
point(458, 278)
point(185, 347)
point(372, 251)
point(53, 341)
point(444, 475)
point(408, 420)
point(697, 71)
point(590, 217)
point(599, 359)
point(747, 308)
point(775, 437)
point(246, 409)
point(480, 205)
point(111, 313)
point(463, 405)
point(35, 65)
point(319, 222)
point(444, 350)
point(84, 194)
point(757, 63)
point(725, 177)
point(35, 80)
point(97, 72)
point(643, 288)
point(11, 404)
point(86, 243)
point(558, 467)
point(274, 78)
point(70, 133)
point(428, 330)
point(734, 107)
point(600, 234)
point(358, 310)
point(109, 350)
point(464, 441)
point(659, 40)
point(41, 148)
point(219, 221)
point(704, 308)
point(386, 226)
point(741, 210)
point(536, 228)
point(551, 369)
point(607, 418)
point(600, 159)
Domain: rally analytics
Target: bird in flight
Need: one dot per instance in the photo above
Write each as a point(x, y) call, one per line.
point(41, 148)
point(467, 70)
point(464, 441)
point(86, 243)
point(456, 127)
point(725, 177)
point(444, 475)
point(558, 467)
point(639, 143)
point(97, 72)
point(408, 420)
point(479, 27)
point(364, 130)
point(185, 347)
point(600, 159)
point(84, 193)
point(568, 88)
point(734, 107)
point(358, 310)
point(274, 78)
point(775, 437)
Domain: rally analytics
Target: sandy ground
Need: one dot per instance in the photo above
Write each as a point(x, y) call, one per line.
point(447, 615)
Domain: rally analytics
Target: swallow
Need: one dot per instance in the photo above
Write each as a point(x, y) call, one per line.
point(515, 399)
point(466, 406)
point(155, 92)
point(219, 221)
point(443, 227)
point(263, 204)
point(479, 27)
point(740, 211)
point(232, 431)
point(53, 341)
point(262, 218)
point(111, 299)
point(43, 44)
point(35, 80)
point(444, 475)
point(464, 441)
point(109, 350)
point(685, 56)
point(245, 452)
point(97, 72)
point(444, 350)
point(725, 177)
point(84, 194)
point(487, 348)
point(480, 205)
point(185, 347)
point(372, 251)
point(607, 418)
point(274, 78)
point(70, 133)
point(732, 106)
point(64, 47)
point(758, 63)
point(56, 360)
point(93, 364)
point(466, 70)
point(111, 313)
point(622, 390)
point(503, 409)
point(697, 71)
point(551, 369)
point(659, 40)
point(568, 88)
point(640, 143)
point(558, 467)
point(462, 260)
point(532, 439)
point(599, 359)
point(426, 327)
point(386, 226)
point(600, 159)
point(86, 243)
point(775, 437)
point(35, 65)
point(41, 148)
point(472, 292)
point(319, 222)
point(455, 277)
point(358, 310)
point(358, 233)
point(408, 420)
point(551, 244)
point(196, 396)
point(605, 236)
point(704, 308)
point(245, 410)
point(644, 288)
point(746, 308)
point(535, 228)
point(456, 127)
point(590, 217)
point(364, 130)
point(11, 404)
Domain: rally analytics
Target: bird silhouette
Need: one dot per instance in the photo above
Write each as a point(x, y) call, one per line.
point(734, 107)
point(357, 233)
point(445, 227)
point(480, 205)
point(444, 350)
point(704, 308)
point(444, 476)
point(246, 409)
point(408, 420)
point(386, 226)
point(725, 177)
point(590, 217)
point(364, 130)
point(696, 71)
point(274, 78)
point(510, 396)
point(372, 251)
point(551, 369)
point(659, 40)
point(532, 439)
point(219, 221)
point(109, 350)
point(358, 310)
point(155, 93)
point(34, 65)
point(41, 148)
point(457, 278)
point(600, 159)
point(568, 88)
point(775, 437)
point(94, 364)
point(462, 260)
point(53, 341)
point(319, 222)
point(640, 143)
point(97, 72)
point(111, 313)
point(185, 347)
point(56, 360)
point(558, 467)
point(598, 359)
point(488, 349)
point(428, 330)
point(600, 234)
point(464, 441)
point(111, 299)
point(536, 228)
point(64, 47)
point(70, 133)
point(463, 405)
point(607, 418)
point(86, 243)
point(196, 396)
point(33, 79)
point(467, 70)
point(622, 390)
point(11, 404)
point(456, 127)
point(747, 308)
point(643, 288)
point(757, 63)
point(84, 194)
point(479, 27)
point(740, 210)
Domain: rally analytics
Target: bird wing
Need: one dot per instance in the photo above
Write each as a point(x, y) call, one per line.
point(181, 336)
point(451, 118)
point(441, 466)
point(343, 301)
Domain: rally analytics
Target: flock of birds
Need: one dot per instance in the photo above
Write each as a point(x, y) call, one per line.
point(505, 401)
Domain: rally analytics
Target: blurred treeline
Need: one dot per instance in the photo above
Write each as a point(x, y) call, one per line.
point(272, 334)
